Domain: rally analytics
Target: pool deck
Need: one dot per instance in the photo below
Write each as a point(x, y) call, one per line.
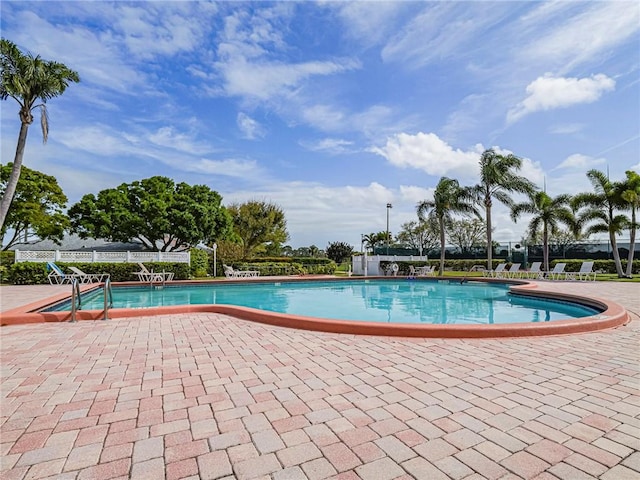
point(208, 396)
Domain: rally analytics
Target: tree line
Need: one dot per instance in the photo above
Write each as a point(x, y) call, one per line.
point(610, 208)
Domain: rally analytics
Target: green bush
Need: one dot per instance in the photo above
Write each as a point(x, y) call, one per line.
point(271, 268)
point(6, 260)
point(310, 265)
point(199, 262)
point(32, 273)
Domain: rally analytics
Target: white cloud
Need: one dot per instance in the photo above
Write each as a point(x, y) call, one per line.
point(249, 64)
point(333, 146)
point(566, 129)
point(579, 161)
point(264, 80)
point(549, 92)
point(168, 137)
point(249, 127)
point(245, 169)
point(442, 30)
point(347, 211)
point(429, 153)
point(593, 31)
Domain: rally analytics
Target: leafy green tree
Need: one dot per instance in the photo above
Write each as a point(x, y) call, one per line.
point(448, 198)
point(629, 191)
point(466, 233)
point(548, 212)
point(498, 178)
point(157, 212)
point(423, 236)
point(314, 251)
point(37, 210)
point(339, 251)
point(601, 206)
point(259, 225)
point(28, 79)
point(373, 240)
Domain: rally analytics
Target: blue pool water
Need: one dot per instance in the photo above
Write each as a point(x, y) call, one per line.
point(396, 301)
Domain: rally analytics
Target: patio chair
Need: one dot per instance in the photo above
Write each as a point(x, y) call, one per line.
point(229, 272)
point(534, 273)
point(88, 277)
point(146, 275)
point(514, 270)
point(427, 271)
point(585, 273)
point(57, 276)
point(558, 272)
point(494, 273)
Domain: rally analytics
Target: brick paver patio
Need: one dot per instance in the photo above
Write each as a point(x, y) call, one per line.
point(209, 396)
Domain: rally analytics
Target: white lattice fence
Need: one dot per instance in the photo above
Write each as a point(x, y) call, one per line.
point(103, 257)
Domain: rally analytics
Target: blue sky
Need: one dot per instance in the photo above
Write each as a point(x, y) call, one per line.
point(332, 109)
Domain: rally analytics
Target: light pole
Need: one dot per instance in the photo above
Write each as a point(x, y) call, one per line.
point(362, 243)
point(389, 207)
point(215, 260)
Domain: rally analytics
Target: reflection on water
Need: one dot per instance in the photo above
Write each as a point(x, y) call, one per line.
point(398, 301)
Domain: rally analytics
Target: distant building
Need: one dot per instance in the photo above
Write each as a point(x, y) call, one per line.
point(73, 243)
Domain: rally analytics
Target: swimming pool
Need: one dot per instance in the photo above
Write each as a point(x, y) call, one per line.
point(398, 301)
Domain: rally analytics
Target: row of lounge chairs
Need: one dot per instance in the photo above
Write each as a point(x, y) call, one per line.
point(535, 273)
point(57, 276)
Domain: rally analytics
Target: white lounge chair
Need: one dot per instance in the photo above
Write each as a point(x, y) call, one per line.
point(585, 273)
point(229, 272)
point(88, 277)
point(146, 275)
point(57, 276)
point(494, 273)
point(534, 273)
point(514, 270)
point(426, 271)
point(558, 272)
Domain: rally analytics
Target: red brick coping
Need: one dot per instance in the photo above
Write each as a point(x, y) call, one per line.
point(613, 315)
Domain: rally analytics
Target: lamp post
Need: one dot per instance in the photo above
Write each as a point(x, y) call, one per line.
point(362, 243)
point(389, 207)
point(215, 260)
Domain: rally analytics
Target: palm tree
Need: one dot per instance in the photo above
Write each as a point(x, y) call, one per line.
point(27, 79)
point(601, 206)
point(497, 180)
point(547, 212)
point(629, 191)
point(448, 198)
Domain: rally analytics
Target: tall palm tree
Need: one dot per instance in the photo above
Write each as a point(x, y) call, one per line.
point(547, 212)
point(27, 79)
point(629, 191)
point(448, 198)
point(601, 206)
point(498, 178)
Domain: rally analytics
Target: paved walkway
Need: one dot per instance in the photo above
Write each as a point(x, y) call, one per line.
point(209, 396)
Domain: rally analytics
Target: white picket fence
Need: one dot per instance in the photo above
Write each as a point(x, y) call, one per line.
point(106, 257)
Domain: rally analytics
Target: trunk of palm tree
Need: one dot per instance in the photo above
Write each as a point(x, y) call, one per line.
point(442, 245)
point(545, 247)
point(616, 254)
point(632, 242)
point(7, 197)
point(487, 205)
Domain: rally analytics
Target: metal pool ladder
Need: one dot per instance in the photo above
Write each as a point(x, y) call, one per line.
point(76, 298)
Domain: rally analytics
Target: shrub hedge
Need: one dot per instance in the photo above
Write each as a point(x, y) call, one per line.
point(199, 262)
